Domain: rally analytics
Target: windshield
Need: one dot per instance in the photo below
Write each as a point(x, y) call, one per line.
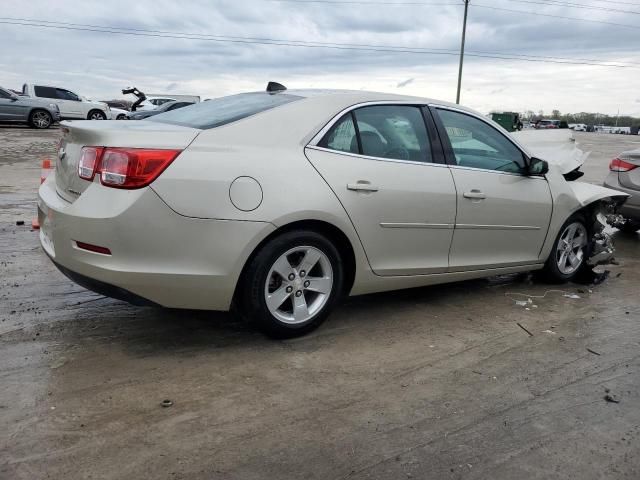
point(223, 110)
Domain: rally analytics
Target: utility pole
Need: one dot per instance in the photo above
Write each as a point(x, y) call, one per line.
point(464, 34)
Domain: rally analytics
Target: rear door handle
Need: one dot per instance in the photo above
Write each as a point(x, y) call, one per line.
point(474, 194)
point(362, 186)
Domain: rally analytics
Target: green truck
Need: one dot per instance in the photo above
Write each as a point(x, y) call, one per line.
point(508, 120)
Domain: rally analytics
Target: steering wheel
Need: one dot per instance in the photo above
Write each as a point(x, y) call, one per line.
point(399, 153)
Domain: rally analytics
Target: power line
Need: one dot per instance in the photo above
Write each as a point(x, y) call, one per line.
point(582, 6)
point(624, 25)
point(528, 12)
point(297, 43)
point(341, 44)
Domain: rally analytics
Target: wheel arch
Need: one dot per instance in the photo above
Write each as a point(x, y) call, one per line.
point(35, 109)
point(329, 230)
point(95, 110)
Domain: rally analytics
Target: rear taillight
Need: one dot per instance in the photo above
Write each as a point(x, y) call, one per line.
point(618, 165)
point(125, 167)
point(89, 159)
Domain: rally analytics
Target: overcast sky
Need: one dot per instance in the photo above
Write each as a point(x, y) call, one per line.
point(99, 65)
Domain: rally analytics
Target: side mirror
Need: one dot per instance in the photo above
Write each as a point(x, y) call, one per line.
point(538, 166)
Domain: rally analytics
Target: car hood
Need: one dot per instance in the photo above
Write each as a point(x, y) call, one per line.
point(587, 193)
point(557, 147)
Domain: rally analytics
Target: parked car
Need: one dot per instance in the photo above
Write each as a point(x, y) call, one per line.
point(578, 127)
point(624, 175)
point(547, 124)
point(72, 106)
point(115, 104)
point(33, 112)
point(151, 103)
point(165, 107)
point(274, 204)
point(119, 114)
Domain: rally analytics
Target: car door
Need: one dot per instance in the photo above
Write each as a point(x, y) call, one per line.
point(72, 103)
point(11, 109)
point(382, 163)
point(51, 94)
point(503, 214)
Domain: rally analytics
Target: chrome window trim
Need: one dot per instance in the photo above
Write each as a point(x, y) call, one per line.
point(377, 159)
point(323, 131)
point(313, 143)
point(498, 172)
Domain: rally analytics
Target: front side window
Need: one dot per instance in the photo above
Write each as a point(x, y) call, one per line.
point(67, 95)
point(477, 144)
point(396, 132)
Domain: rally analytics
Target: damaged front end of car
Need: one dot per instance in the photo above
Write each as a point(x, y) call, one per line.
point(601, 249)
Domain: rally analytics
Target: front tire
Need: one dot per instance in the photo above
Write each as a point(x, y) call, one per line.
point(96, 115)
point(568, 258)
point(290, 286)
point(40, 119)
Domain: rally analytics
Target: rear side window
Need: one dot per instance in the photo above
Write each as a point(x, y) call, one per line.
point(45, 92)
point(396, 132)
point(342, 136)
point(223, 110)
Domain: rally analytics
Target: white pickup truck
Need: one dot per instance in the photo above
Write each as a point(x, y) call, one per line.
point(72, 106)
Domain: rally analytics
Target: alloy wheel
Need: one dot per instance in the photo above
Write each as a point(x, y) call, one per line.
point(41, 119)
point(97, 116)
point(298, 285)
point(570, 248)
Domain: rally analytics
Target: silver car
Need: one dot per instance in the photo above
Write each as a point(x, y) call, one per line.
point(624, 175)
point(21, 109)
point(277, 203)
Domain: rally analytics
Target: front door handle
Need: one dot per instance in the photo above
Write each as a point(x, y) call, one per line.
point(362, 186)
point(474, 194)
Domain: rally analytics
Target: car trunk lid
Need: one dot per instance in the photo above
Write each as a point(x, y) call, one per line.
point(126, 134)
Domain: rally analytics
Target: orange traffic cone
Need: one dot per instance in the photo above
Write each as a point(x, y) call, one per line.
point(44, 173)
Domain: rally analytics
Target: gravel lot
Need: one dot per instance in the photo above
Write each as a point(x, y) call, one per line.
point(436, 382)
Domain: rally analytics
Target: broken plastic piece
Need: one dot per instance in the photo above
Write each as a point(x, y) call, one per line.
point(571, 295)
point(602, 250)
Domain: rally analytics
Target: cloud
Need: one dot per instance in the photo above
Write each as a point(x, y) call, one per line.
point(405, 82)
point(99, 65)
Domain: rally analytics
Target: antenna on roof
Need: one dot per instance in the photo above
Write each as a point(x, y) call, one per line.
point(275, 87)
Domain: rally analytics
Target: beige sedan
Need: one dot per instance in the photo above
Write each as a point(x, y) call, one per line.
point(277, 203)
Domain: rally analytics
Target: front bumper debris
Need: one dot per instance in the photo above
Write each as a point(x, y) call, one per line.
point(602, 250)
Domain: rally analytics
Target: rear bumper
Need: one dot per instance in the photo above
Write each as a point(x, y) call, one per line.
point(157, 256)
point(631, 207)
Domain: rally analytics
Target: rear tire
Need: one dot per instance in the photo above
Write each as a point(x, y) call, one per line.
point(568, 258)
point(96, 115)
point(40, 119)
point(290, 286)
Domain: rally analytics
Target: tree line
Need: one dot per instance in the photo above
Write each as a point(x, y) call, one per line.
point(584, 117)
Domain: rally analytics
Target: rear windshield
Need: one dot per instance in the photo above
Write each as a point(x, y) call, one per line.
point(223, 110)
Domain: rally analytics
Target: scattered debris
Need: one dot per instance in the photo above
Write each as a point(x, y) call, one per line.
point(598, 278)
point(611, 398)
point(166, 403)
point(549, 331)
point(523, 328)
point(572, 295)
point(592, 351)
point(523, 303)
point(20, 222)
